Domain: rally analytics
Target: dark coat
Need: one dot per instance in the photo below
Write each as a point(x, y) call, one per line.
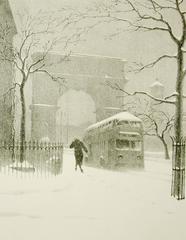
point(78, 149)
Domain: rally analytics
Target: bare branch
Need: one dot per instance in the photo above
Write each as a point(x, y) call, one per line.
point(11, 60)
point(152, 64)
point(28, 35)
point(161, 20)
point(117, 87)
point(175, 94)
point(142, 18)
point(39, 61)
point(156, 122)
point(60, 80)
point(10, 90)
point(153, 122)
point(168, 126)
point(183, 22)
point(157, 6)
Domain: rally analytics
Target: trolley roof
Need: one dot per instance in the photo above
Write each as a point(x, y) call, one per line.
point(122, 116)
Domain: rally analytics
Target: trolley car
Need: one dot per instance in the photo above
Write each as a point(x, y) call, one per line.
point(115, 142)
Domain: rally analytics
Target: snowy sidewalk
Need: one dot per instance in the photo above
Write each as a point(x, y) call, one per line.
point(96, 205)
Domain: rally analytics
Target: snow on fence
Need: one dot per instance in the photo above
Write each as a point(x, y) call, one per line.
point(40, 158)
point(178, 168)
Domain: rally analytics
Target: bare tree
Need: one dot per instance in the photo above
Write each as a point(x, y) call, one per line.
point(156, 122)
point(38, 33)
point(154, 16)
point(151, 16)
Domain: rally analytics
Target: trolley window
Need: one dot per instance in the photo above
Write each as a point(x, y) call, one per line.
point(122, 144)
point(122, 122)
point(135, 145)
point(135, 124)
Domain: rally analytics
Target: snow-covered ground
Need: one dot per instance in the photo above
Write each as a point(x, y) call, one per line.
point(96, 205)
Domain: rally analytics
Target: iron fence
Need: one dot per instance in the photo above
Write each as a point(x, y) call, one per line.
point(178, 168)
point(40, 158)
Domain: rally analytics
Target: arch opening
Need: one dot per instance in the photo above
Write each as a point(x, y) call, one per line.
point(76, 111)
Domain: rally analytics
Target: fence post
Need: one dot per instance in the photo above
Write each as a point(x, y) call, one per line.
point(178, 168)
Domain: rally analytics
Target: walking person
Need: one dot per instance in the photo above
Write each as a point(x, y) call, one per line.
point(78, 152)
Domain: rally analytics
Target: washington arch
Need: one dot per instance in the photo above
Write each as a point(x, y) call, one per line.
point(84, 73)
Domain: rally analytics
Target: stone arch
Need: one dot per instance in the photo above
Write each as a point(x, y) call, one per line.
point(82, 73)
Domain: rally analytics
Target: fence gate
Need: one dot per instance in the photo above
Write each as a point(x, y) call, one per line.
point(178, 168)
point(40, 158)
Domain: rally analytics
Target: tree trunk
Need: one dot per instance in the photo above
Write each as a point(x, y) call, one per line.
point(178, 179)
point(179, 98)
point(22, 126)
point(166, 150)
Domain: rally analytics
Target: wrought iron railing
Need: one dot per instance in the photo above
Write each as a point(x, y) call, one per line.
point(40, 158)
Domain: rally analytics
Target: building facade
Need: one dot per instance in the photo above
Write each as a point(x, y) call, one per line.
point(6, 73)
